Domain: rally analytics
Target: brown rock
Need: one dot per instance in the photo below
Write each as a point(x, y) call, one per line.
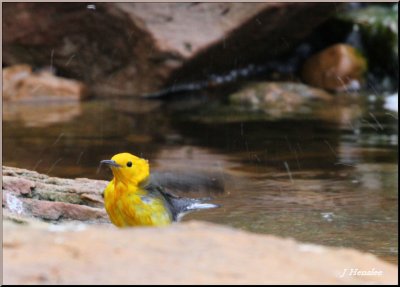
point(23, 85)
point(185, 253)
point(18, 186)
point(50, 198)
point(336, 68)
point(12, 77)
point(45, 86)
point(50, 210)
point(135, 48)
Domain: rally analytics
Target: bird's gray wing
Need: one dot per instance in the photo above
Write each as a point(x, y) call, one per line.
point(176, 204)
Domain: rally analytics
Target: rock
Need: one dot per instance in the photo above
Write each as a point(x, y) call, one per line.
point(371, 28)
point(136, 48)
point(45, 87)
point(54, 211)
point(277, 97)
point(19, 186)
point(32, 194)
point(23, 85)
point(49, 210)
point(185, 253)
point(337, 68)
point(12, 77)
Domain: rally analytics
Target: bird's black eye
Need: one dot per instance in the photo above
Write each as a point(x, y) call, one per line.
point(129, 164)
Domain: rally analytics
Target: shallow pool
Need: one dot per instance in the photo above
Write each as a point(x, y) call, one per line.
point(328, 177)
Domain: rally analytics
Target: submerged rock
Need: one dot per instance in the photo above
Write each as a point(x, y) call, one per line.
point(136, 48)
point(336, 68)
point(278, 97)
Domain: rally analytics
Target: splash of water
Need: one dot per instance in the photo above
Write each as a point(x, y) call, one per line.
point(14, 204)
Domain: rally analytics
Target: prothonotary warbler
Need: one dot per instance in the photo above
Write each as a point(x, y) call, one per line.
point(132, 198)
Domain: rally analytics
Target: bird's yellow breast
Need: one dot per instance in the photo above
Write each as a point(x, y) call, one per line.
point(130, 205)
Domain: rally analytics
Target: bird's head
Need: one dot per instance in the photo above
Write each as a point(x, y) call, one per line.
point(128, 168)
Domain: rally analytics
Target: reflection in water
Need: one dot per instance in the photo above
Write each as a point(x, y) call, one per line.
point(328, 178)
point(41, 114)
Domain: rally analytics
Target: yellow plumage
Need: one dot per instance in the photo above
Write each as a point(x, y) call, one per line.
point(126, 203)
point(131, 198)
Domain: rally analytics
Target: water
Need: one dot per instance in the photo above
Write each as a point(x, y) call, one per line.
point(325, 177)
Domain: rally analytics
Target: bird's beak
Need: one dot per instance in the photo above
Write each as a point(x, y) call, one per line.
point(110, 162)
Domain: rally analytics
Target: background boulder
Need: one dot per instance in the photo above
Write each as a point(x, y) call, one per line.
point(136, 48)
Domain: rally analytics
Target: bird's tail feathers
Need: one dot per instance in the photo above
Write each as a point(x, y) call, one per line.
point(201, 203)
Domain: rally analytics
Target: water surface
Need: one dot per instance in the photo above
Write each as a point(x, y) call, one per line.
point(327, 177)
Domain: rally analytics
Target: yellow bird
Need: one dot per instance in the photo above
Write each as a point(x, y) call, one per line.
point(132, 198)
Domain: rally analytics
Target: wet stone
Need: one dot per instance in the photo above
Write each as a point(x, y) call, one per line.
point(278, 97)
point(56, 199)
point(337, 68)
